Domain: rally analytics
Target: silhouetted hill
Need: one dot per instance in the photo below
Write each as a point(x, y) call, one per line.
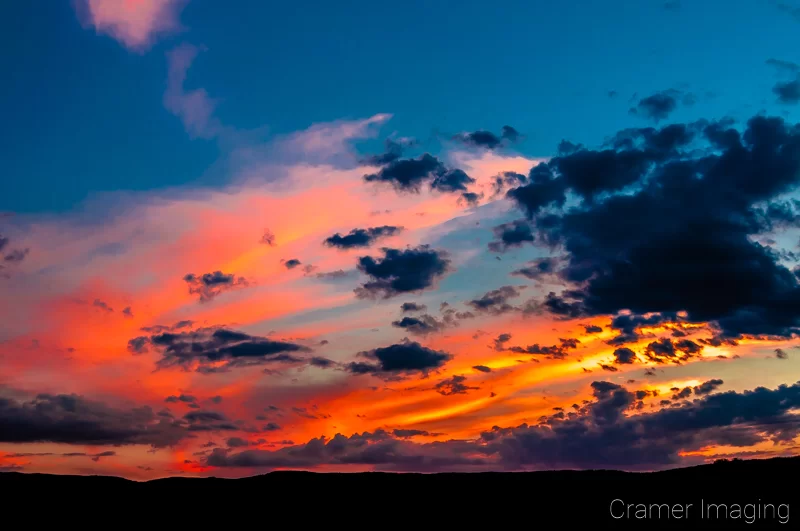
point(559, 497)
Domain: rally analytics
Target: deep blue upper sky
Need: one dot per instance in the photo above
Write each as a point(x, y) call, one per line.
point(81, 113)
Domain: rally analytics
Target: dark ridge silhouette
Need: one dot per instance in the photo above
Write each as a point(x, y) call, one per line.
point(758, 486)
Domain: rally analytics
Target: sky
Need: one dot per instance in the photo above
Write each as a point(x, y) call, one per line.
point(442, 236)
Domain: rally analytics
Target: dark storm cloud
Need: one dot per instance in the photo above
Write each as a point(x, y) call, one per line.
point(482, 368)
point(681, 240)
point(592, 329)
point(487, 139)
point(361, 237)
point(402, 271)
point(496, 302)
point(606, 432)
point(409, 175)
point(209, 285)
point(72, 419)
point(208, 347)
point(402, 358)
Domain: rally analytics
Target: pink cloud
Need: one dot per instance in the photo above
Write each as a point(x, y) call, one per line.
point(134, 23)
point(195, 108)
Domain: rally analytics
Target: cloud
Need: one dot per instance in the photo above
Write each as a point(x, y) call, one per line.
point(16, 256)
point(538, 268)
point(624, 356)
point(510, 235)
point(412, 307)
point(292, 263)
point(454, 386)
point(402, 271)
point(559, 351)
point(403, 358)
point(606, 432)
point(495, 302)
point(188, 399)
point(424, 324)
point(623, 253)
point(394, 150)
point(72, 419)
point(487, 139)
point(783, 66)
point(660, 105)
point(268, 238)
point(209, 285)
point(408, 175)
point(788, 92)
point(136, 24)
point(218, 349)
point(357, 238)
point(195, 107)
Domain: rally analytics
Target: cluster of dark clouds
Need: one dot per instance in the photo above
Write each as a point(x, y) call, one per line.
point(401, 271)
point(357, 238)
point(425, 323)
point(71, 419)
point(399, 360)
point(609, 431)
point(209, 285)
point(212, 350)
point(410, 175)
point(665, 221)
point(558, 351)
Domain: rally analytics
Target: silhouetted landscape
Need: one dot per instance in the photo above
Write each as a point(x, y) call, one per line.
point(556, 496)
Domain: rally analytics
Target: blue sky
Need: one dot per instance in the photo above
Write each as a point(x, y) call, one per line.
point(438, 67)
